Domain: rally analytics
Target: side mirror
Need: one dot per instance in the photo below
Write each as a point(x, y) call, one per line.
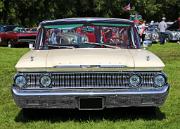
point(147, 43)
point(31, 44)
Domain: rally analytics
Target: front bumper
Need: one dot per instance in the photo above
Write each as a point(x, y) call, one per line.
point(69, 98)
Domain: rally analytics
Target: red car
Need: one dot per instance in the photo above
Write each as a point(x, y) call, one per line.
point(3, 31)
point(19, 36)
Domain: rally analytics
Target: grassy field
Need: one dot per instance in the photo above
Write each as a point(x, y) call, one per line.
point(168, 116)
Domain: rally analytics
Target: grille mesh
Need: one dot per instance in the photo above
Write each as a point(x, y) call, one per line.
point(90, 79)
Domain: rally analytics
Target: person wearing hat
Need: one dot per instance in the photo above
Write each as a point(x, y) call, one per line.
point(152, 26)
point(162, 27)
point(178, 23)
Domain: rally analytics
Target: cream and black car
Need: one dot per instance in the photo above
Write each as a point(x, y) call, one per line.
point(89, 64)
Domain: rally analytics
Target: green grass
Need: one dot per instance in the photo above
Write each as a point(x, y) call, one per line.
point(168, 116)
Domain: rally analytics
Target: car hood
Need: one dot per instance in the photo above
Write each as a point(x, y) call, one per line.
point(89, 59)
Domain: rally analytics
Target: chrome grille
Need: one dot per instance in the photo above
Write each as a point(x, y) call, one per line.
point(90, 79)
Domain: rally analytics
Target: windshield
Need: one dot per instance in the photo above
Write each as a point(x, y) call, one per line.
point(94, 35)
point(19, 29)
point(1, 29)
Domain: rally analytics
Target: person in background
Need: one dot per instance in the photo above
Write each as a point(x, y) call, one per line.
point(178, 27)
point(152, 26)
point(141, 30)
point(179, 23)
point(162, 28)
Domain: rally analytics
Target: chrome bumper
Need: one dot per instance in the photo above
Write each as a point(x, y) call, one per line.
point(69, 98)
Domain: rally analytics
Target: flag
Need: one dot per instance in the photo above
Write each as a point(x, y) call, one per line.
point(127, 7)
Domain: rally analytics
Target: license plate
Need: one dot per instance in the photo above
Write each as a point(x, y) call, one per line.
point(91, 103)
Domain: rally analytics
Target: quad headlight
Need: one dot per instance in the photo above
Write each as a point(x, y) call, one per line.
point(174, 34)
point(135, 80)
point(20, 81)
point(159, 80)
point(45, 81)
point(148, 36)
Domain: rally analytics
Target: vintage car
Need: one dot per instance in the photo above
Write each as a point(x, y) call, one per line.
point(173, 32)
point(152, 33)
point(4, 29)
point(88, 75)
point(18, 36)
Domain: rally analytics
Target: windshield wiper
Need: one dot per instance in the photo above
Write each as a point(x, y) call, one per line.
point(61, 46)
point(100, 44)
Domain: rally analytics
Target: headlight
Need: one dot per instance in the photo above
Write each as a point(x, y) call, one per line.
point(73, 41)
point(147, 36)
point(20, 80)
point(159, 80)
point(178, 34)
point(173, 34)
point(84, 39)
point(45, 81)
point(155, 35)
point(135, 80)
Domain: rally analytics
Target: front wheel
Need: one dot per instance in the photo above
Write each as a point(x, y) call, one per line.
point(10, 44)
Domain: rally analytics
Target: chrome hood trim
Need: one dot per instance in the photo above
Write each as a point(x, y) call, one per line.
point(90, 66)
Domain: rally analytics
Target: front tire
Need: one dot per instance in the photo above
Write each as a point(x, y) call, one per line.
point(10, 44)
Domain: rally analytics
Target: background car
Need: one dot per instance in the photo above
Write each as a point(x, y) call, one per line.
point(152, 33)
point(3, 32)
point(18, 36)
point(173, 32)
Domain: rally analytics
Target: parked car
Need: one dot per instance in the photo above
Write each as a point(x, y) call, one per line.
point(88, 75)
point(6, 28)
point(18, 36)
point(3, 31)
point(152, 33)
point(173, 32)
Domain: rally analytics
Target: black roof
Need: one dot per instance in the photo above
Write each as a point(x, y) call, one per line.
point(85, 20)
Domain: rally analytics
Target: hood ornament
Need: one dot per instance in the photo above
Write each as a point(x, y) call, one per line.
point(148, 58)
point(32, 58)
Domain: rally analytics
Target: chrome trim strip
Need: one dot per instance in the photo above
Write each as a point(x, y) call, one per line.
point(113, 66)
point(67, 66)
point(89, 66)
point(18, 92)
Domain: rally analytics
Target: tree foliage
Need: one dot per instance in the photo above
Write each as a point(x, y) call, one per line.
point(31, 12)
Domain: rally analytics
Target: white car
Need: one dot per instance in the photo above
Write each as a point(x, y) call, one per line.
point(104, 67)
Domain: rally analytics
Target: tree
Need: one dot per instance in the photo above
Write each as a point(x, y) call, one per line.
point(31, 12)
